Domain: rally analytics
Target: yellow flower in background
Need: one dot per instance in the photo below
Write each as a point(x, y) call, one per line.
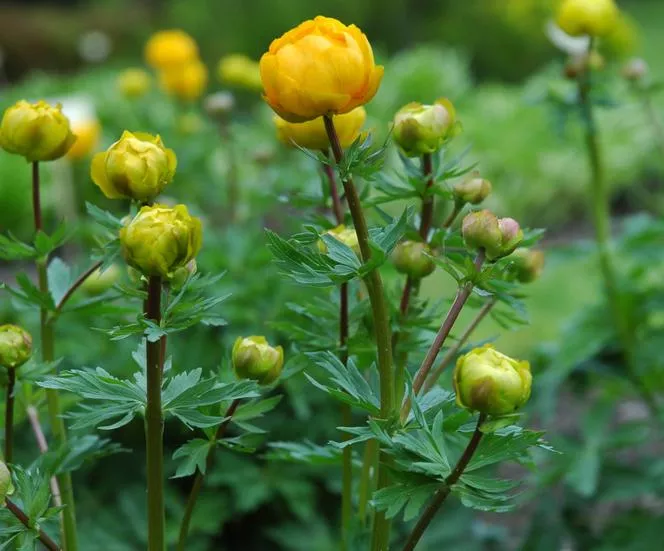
point(587, 17)
point(347, 236)
point(253, 358)
point(186, 82)
point(87, 135)
point(161, 239)
point(134, 82)
point(312, 134)
point(37, 131)
point(320, 67)
point(624, 38)
point(240, 70)
point(170, 48)
point(137, 166)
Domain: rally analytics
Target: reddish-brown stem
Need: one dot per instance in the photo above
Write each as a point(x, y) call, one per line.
point(25, 521)
point(33, 416)
point(74, 286)
point(337, 207)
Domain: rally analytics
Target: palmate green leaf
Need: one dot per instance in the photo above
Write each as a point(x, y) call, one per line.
point(304, 452)
point(482, 501)
point(79, 449)
point(12, 248)
point(59, 278)
point(361, 160)
point(45, 244)
point(255, 409)
point(28, 293)
point(385, 239)
point(410, 492)
point(104, 218)
point(511, 443)
point(194, 304)
point(193, 457)
point(346, 382)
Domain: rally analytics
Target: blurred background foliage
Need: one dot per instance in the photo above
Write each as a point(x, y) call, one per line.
point(493, 60)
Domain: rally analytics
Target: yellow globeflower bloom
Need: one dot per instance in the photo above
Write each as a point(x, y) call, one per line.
point(134, 82)
point(161, 239)
point(321, 67)
point(312, 134)
point(137, 166)
point(240, 70)
point(37, 131)
point(87, 135)
point(587, 17)
point(186, 82)
point(169, 48)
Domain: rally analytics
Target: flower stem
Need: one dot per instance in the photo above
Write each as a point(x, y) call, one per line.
point(33, 416)
point(379, 309)
point(198, 479)
point(459, 301)
point(369, 461)
point(74, 286)
point(9, 415)
point(452, 215)
point(452, 352)
point(47, 337)
point(441, 495)
point(21, 516)
point(154, 424)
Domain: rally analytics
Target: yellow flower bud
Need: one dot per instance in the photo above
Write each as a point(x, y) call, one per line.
point(527, 264)
point(170, 48)
point(321, 67)
point(87, 135)
point(134, 82)
point(312, 134)
point(345, 235)
point(36, 131)
point(472, 190)
point(160, 239)
point(137, 166)
point(15, 346)
point(186, 82)
point(253, 358)
point(99, 282)
point(490, 382)
point(420, 129)
point(497, 236)
point(6, 486)
point(587, 17)
point(241, 71)
point(413, 259)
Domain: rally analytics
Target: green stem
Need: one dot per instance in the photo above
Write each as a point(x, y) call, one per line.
point(369, 463)
point(9, 415)
point(47, 337)
point(379, 309)
point(198, 479)
point(154, 424)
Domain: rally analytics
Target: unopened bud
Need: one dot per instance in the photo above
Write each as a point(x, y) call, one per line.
point(6, 486)
point(253, 358)
point(99, 282)
point(413, 259)
point(497, 236)
point(472, 190)
point(420, 129)
point(528, 264)
point(15, 346)
point(635, 70)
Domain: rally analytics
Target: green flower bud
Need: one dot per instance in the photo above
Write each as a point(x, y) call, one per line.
point(137, 166)
point(253, 358)
point(345, 235)
point(635, 70)
point(6, 486)
point(413, 259)
point(490, 382)
point(528, 264)
point(420, 129)
point(182, 274)
point(160, 239)
point(15, 346)
point(37, 131)
point(472, 190)
point(497, 236)
point(99, 282)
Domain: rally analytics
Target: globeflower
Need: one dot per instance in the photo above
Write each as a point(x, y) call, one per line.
point(170, 48)
point(420, 129)
point(587, 17)
point(240, 70)
point(186, 82)
point(254, 358)
point(87, 135)
point(15, 346)
point(134, 82)
point(497, 236)
point(413, 259)
point(312, 134)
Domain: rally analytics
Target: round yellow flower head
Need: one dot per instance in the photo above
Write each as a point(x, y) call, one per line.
point(587, 17)
point(413, 259)
point(134, 82)
point(87, 135)
point(528, 264)
point(137, 166)
point(6, 486)
point(15, 346)
point(497, 236)
point(186, 82)
point(253, 358)
point(170, 48)
point(161, 239)
point(420, 129)
point(345, 235)
point(37, 131)
point(473, 189)
point(100, 282)
point(312, 134)
point(240, 70)
point(321, 67)
point(490, 382)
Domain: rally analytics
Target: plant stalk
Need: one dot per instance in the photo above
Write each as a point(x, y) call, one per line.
point(33, 416)
point(154, 424)
point(47, 337)
point(23, 518)
point(441, 495)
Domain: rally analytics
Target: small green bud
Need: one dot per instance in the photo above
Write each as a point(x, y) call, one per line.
point(6, 486)
point(490, 382)
point(413, 259)
point(420, 129)
point(635, 70)
point(15, 346)
point(99, 281)
point(253, 358)
point(497, 236)
point(182, 274)
point(345, 235)
point(511, 234)
point(472, 190)
point(528, 264)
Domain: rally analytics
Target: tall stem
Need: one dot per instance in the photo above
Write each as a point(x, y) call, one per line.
point(441, 495)
point(23, 518)
point(198, 480)
point(453, 350)
point(154, 424)
point(9, 415)
point(33, 416)
point(47, 337)
point(379, 309)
